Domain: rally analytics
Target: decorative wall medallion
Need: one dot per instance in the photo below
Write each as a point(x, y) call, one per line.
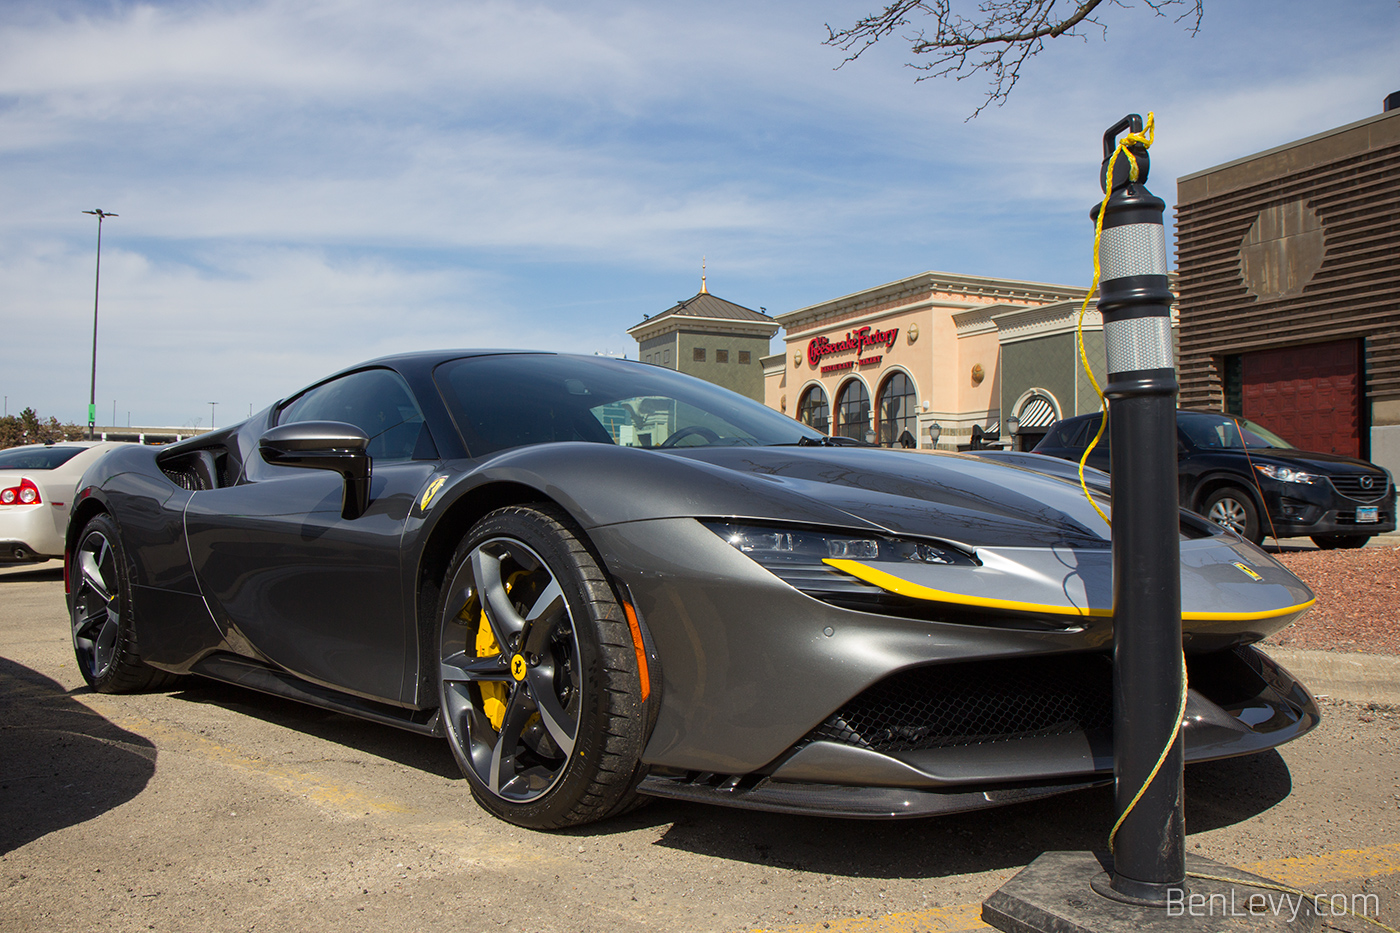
point(912, 333)
point(796, 360)
point(978, 374)
point(1282, 251)
point(782, 404)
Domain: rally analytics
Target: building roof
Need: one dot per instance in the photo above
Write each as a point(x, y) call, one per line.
point(701, 310)
point(972, 291)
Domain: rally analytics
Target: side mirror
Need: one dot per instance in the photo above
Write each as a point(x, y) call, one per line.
point(324, 445)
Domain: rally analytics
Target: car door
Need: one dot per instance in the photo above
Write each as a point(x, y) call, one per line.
point(292, 581)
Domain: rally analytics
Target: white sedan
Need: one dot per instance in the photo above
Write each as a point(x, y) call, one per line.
point(37, 482)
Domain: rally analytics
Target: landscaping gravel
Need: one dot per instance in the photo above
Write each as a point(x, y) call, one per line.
point(1358, 601)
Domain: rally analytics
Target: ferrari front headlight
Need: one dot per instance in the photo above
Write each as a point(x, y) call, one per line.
point(787, 545)
point(798, 555)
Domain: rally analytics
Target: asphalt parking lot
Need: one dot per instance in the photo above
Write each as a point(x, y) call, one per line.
point(212, 808)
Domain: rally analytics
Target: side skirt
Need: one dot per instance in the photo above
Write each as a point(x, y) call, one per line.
point(242, 672)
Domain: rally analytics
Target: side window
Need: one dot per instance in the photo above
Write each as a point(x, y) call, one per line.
point(1091, 427)
point(1065, 433)
point(378, 402)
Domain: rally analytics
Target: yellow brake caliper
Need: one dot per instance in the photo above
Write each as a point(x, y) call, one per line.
point(493, 695)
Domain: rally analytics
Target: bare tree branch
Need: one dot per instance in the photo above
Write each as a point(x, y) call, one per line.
point(1001, 38)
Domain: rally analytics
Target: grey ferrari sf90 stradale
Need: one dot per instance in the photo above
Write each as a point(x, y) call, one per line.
point(601, 580)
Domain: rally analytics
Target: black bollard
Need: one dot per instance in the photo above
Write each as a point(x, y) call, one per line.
point(1135, 301)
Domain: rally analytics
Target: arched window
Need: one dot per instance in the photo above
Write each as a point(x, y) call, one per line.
point(853, 411)
point(813, 411)
point(1036, 411)
point(897, 405)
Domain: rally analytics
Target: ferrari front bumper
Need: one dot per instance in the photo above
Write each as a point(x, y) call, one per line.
point(773, 699)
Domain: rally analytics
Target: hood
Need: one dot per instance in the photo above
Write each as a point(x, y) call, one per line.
point(1313, 461)
point(962, 498)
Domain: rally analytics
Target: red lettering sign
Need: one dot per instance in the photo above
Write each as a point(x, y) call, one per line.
point(857, 340)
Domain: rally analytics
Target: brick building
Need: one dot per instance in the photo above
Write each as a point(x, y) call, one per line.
point(1289, 265)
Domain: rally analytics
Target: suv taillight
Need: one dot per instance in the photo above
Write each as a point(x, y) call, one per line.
point(26, 493)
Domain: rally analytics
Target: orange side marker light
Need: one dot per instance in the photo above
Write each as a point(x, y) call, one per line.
point(638, 648)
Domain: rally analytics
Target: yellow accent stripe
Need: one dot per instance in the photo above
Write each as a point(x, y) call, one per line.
point(893, 584)
point(901, 587)
point(1245, 616)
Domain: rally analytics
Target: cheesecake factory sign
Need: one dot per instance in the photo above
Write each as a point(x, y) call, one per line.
point(862, 340)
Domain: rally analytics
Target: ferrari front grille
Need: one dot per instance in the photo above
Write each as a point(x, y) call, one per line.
point(949, 705)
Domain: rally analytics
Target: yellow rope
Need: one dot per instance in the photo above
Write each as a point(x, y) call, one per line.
point(1161, 760)
point(1287, 890)
point(1145, 140)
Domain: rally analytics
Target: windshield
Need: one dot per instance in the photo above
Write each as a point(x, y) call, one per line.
point(37, 458)
point(1222, 432)
point(510, 400)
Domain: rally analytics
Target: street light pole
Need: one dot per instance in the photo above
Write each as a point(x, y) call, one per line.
point(101, 215)
point(211, 415)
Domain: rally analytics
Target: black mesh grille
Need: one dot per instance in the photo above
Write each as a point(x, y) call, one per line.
point(975, 703)
point(185, 479)
point(196, 470)
point(1351, 486)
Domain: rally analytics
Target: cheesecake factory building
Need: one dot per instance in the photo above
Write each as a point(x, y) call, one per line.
point(921, 361)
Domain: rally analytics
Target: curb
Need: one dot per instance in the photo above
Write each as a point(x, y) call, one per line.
point(1355, 677)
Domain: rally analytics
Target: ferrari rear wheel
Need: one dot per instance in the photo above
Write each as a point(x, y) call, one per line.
point(104, 641)
point(538, 677)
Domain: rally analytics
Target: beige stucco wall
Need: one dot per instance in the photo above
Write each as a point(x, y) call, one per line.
point(938, 361)
point(775, 386)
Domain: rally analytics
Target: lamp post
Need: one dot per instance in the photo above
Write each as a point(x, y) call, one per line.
point(211, 415)
point(101, 215)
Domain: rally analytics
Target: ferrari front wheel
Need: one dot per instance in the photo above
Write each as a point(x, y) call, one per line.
point(539, 681)
point(104, 640)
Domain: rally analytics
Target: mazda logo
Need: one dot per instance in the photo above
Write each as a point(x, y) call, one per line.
point(1367, 482)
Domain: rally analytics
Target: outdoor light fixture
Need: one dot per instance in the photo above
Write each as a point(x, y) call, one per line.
point(934, 431)
point(1013, 425)
point(101, 215)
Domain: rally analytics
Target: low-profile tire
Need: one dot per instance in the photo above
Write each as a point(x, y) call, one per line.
point(1232, 507)
point(1344, 542)
point(565, 689)
point(99, 609)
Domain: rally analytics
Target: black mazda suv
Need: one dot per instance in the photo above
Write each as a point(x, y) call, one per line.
point(1249, 479)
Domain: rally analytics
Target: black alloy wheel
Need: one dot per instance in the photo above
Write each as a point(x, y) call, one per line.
point(104, 640)
point(1231, 507)
point(539, 680)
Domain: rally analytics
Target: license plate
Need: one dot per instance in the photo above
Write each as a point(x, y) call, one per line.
point(1370, 513)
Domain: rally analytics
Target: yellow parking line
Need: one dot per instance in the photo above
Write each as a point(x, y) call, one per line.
point(933, 920)
point(1304, 873)
point(345, 800)
point(1344, 865)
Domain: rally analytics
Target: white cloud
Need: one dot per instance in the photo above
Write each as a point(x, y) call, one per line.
point(306, 183)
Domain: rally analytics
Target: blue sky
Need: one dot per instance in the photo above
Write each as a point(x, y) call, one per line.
point(304, 184)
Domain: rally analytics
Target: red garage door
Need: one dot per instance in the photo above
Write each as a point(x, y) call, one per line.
point(1310, 396)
